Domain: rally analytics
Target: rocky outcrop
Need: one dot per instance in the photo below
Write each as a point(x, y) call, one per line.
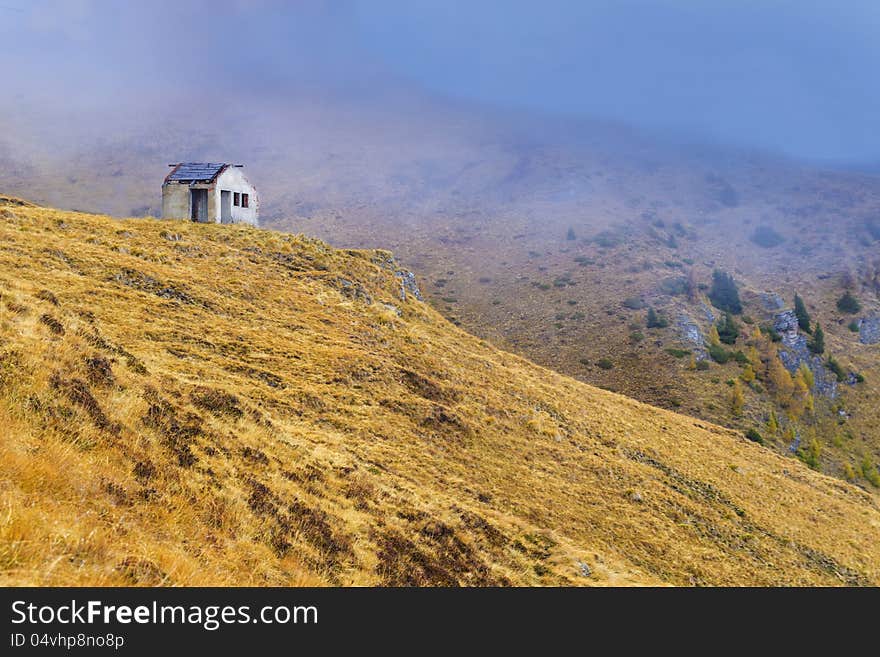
point(691, 333)
point(772, 301)
point(795, 352)
point(869, 329)
point(786, 325)
point(408, 283)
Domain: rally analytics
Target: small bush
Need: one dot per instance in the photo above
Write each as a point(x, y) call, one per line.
point(835, 367)
point(634, 303)
point(728, 330)
point(702, 365)
point(771, 333)
point(753, 435)
point(674, 286)
point(766, 237)
point(719, 354)
point(607, 239)
point(678, 353)
point(848, 304)
point(853, 326)
point(869, 472)
point(653, 320)
point(810, 454)
point(604, 363)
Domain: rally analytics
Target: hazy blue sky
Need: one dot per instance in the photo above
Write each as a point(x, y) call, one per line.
point(792, 76)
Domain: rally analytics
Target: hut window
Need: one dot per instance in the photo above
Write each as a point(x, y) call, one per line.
point(244, 200)
point(235, 199)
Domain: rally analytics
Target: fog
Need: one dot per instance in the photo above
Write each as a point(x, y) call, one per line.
point(786, 76)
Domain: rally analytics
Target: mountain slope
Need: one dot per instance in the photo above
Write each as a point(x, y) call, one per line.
point(192, 404)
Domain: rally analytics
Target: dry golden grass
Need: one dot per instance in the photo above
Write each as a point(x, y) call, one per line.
point(190, 404)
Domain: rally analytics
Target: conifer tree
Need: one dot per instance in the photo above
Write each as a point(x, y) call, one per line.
point(817, 344)
point(803, 316)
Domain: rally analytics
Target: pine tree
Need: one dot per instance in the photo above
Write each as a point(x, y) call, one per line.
point(724, 294)
point(803, 316)
point(570, 236)
point(728, 331)
point(748, 374)
point(817, 344)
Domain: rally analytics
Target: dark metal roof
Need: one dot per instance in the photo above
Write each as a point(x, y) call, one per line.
point(196, 172)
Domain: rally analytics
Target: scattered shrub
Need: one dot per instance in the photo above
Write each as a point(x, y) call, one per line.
point(810, 453)
point(766, 237)
point(634, 303)
point(604, 363)
point(653, 320)
point(753, 435)
point(771, 333)
point(869, 471)
point(719, 354)
point(728, 330)
point(835, 367)
point(848, 304)
point(702, 365)
point(853, 326)
point(607, 239)
point(674, 286)
point(678, 353)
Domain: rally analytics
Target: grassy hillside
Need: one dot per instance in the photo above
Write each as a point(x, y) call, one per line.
point(481, 205)
point(191, 404)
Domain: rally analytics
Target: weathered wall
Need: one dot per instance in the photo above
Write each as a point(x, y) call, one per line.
point(175, 201)
point(233, 180)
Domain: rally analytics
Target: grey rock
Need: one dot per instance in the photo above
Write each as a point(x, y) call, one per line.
point(690, 332)
point(772, 301)
point(869, 329)
point(795, 353)
point(408, 283)
point(584, 569)
point(707, 311)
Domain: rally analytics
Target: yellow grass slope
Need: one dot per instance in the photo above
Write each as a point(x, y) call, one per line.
point(188, 404)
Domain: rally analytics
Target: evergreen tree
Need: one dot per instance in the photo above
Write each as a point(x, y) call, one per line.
point(817, 344)
point(724, 294)
point(728, 331)
point(570, 236)
point(848, 303)
point(803, 317)
point(653, 320)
